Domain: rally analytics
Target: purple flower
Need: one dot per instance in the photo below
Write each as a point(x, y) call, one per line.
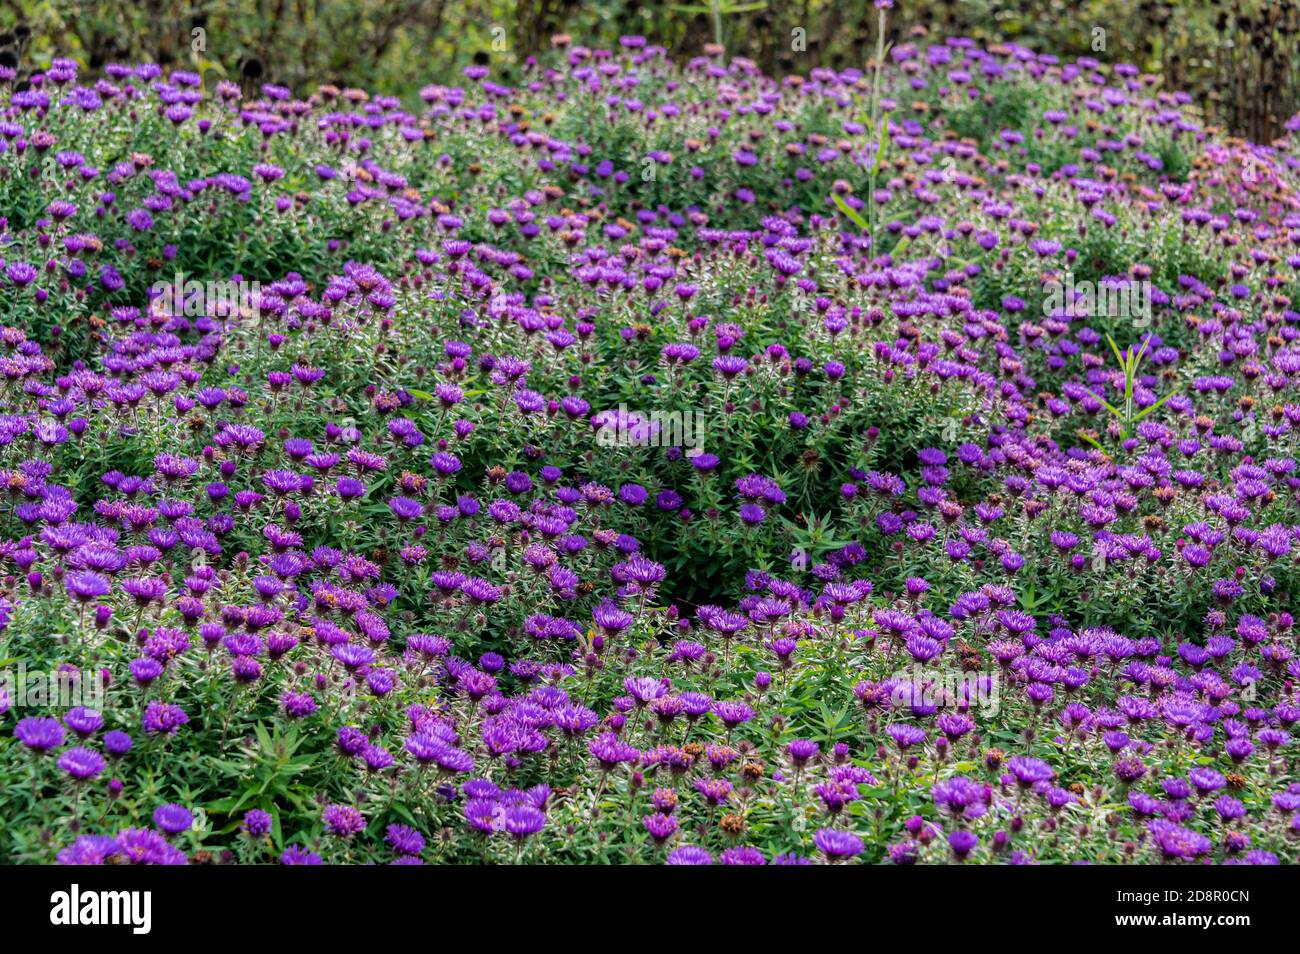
point(84, 722)
point(257, 822)
point(802, 751)
point(733, 714)
point(163, 718)
point(609, 751)
point(343, 821)
point(297, 704)
point(143, 846)
point(1029, 771)
point(838, 845)
point(173, 819)
point(81, 764)
point(86, 586)
point(962, 843)
point(660, 827)
point(404, 839)
point(297, 855)
point(89, 850)
point(611, 619)
point(688, 855)
point(521, 821)
point(1177, 843)
point(39, 733)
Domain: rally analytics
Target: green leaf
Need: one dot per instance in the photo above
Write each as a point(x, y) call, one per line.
point(1118, 355)
point(1110, 407)
point(854, 216)
point(1148, 410)
point(882, 133)
point(1146, 343)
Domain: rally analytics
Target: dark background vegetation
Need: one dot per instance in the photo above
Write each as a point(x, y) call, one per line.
point(1239, 58)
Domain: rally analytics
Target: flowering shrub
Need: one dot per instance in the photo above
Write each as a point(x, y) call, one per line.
point(563, 473)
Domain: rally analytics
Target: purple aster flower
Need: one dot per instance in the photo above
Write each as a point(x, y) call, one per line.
point(84, 722)
point(144, 846)
point(838, 845)
point(173, 819)
point(39, 733)
point(732, 714)
point(81, 764)
point(1029, 771)
point(404, 839)
point(521, 821)
point(297, 855)
point(89, 850)
point(688, 855)
point(257, 823)
point(1176, 843)
point(660, 827)
point(163, 718)
point(962, 843)
point(344, 821)
point(117, 743)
